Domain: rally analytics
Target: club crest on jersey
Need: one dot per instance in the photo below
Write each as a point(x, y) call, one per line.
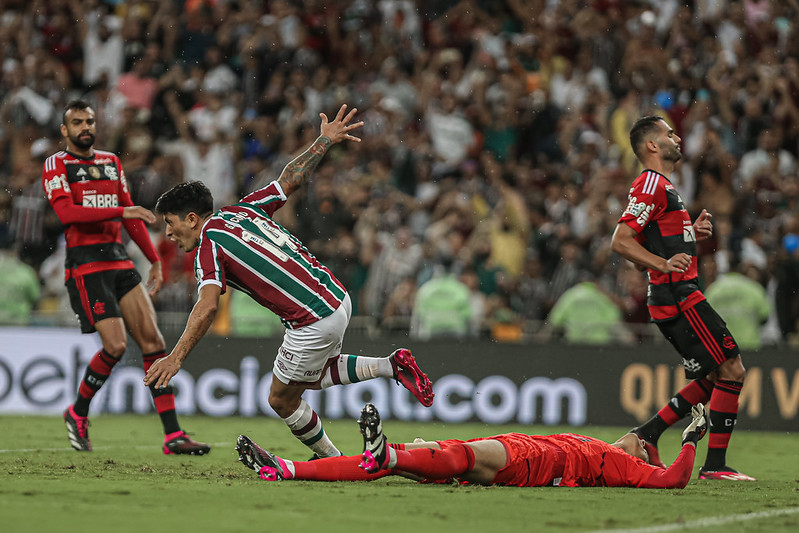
point(111, 172)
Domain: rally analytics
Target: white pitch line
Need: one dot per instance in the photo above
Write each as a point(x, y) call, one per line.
point(104, 448)
point(705, 522)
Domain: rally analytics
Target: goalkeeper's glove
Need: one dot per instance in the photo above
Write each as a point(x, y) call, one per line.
point(698, 426)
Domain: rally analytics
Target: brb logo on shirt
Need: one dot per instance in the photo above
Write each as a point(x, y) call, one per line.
point(92, 199)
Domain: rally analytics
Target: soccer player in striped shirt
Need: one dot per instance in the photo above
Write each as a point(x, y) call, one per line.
point(242, 247)
point(87, 190)
point(655, 232)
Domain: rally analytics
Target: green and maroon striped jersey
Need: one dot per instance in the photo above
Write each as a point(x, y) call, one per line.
point(243, 247)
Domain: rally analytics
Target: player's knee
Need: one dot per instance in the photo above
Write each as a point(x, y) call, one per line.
point(732, 370)
point(152, 343)
point(284, 405)
point(115, 349)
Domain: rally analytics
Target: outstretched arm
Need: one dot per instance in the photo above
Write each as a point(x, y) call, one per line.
point(200, 319)
point(299, 170)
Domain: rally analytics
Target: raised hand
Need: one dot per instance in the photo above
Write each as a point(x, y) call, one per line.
point(703, 227)
point(698, 426)
point(338, 130)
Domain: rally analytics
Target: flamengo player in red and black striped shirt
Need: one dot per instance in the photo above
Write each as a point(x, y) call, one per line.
point(243, 247)
point(88, 192)
point(655, 232)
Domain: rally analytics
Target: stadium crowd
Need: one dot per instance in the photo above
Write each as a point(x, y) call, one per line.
point(495, 159)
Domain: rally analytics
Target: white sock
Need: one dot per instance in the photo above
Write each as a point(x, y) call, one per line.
point(306, 425)
point(354, 368)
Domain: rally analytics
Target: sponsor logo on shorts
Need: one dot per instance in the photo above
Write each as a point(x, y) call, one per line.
point(728, 343)
point(691, 365)
point(99, 308)
point(281, 365)
point(285, 354)
point(311, 373)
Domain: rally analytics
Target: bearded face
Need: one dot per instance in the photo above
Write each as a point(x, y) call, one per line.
point(83, 140)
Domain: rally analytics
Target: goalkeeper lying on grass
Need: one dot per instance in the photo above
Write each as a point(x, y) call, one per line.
point(512, 459)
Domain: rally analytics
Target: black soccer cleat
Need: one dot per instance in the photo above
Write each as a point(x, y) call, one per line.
point(269, 466)
point(375, 446)
point(185, 445)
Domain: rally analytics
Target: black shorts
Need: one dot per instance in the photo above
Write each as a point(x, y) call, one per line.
point(96, 296)
point(701, 337)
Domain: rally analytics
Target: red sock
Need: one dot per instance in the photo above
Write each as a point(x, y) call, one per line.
point(343, 468)
point(397, 445)
point(436, 464)
point(97, 372)
point(723, 414)
point(164, 399)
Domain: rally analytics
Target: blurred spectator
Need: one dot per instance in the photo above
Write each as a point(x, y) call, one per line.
point(103, 45)
point(739, 297)
point(19, 291)
point(787, 293)
point(588, 316)
point(248, 318)
point(397, 259)
point(442, 308)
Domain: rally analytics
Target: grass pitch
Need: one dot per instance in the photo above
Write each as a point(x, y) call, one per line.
point(128, 485)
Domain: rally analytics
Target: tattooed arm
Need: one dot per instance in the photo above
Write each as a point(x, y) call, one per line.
point(299, 170)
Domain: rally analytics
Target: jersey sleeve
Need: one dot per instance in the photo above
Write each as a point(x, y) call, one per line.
point(269, 199)
point(208, 264)
point(675, 476)
point(136, 228)
point(56, 187)
point(623, 470)
point(647, 200)
point(124, 192)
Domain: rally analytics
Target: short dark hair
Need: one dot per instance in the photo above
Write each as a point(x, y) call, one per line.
point(78, 105)
point(185, 198)
point(643, 128)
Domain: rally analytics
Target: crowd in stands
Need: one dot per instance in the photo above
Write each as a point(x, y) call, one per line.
point(495, 159)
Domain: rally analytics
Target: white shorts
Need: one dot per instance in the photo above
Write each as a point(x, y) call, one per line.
point(305, 351)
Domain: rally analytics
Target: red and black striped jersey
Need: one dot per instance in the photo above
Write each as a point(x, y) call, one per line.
point(89, 195)
point(658, 215)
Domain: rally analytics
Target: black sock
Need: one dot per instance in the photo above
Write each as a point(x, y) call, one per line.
point(652, 429)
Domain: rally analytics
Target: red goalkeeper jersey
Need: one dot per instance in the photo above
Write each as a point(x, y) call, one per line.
point(570, 460)
point(89, 195)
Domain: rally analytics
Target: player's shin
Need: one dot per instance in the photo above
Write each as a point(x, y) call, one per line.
point(306, 425)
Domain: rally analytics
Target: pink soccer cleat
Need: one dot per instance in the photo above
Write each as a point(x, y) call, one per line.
point(724, 473)
point(77, 430)
point(408, 373)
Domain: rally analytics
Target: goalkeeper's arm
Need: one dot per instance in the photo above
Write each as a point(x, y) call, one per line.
point(679, 473)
